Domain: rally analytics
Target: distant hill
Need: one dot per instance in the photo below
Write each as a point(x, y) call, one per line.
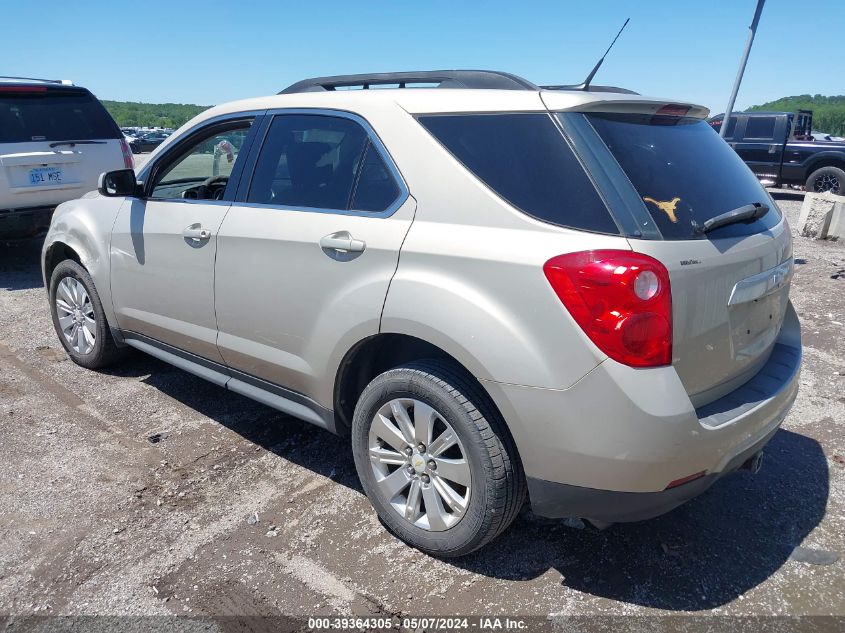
point(828, 112)
point(132, 114)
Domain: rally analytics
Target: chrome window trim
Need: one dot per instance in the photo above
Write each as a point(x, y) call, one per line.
point(404, 192)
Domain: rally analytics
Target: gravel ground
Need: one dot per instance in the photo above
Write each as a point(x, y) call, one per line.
point(144, 490)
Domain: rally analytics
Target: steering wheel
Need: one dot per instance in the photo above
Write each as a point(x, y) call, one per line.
point(213, 185)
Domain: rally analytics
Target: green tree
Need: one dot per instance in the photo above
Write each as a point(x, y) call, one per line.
point(828, 112)
point(133, 114)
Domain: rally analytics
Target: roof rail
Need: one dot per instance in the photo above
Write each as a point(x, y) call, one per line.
point(472, 79)
point(62, 82)
point(591, 88)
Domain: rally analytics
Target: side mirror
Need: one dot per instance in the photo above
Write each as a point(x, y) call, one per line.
point(121, 182)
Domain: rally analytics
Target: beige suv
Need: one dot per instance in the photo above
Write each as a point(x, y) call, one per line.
point(498, 292)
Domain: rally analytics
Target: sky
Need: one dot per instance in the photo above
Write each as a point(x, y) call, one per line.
point(213, 51)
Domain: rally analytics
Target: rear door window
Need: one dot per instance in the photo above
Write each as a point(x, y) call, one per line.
point(683, 172)
point(40, 113)
point(525, 159)
point(760, 127)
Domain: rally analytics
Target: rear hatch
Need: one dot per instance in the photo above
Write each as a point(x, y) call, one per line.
point(55, 141)
point(729, 283)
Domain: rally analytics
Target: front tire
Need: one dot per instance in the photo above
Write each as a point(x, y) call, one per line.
point(79, 318)
point(435, 458)
point(828, 178)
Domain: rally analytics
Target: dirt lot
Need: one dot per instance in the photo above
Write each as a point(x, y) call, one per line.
point(136, 491)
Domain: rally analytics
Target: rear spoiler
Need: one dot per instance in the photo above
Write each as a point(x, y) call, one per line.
point(620, 103)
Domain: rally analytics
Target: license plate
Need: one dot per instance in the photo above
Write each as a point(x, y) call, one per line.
point(45, 176)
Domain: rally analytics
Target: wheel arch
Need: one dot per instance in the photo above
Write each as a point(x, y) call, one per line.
point(81, 230)
point(56, 253)
point(379, 353)
point(825, 160)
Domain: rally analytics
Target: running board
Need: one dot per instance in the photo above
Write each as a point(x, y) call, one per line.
point(274, 396)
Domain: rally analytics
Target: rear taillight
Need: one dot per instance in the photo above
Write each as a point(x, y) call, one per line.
point(128, 160)
point(621, 300)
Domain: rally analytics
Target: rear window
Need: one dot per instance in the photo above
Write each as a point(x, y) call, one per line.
point(526, 160)
point(684, 173)
point(53, 115)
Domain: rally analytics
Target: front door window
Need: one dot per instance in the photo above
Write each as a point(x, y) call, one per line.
point(202, 170)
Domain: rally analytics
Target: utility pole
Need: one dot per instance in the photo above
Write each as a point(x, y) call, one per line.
point(751, 31)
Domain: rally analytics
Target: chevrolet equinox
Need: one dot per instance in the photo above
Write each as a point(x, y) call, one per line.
point(498, 292)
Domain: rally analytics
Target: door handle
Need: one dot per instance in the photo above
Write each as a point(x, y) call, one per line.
point(197, 233)
point(342, 241)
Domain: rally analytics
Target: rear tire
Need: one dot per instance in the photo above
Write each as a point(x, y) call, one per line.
point(483, 456)
point(828, 178)
point(78, 317)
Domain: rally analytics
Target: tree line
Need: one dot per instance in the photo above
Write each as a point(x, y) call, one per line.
point(828, 112)
point(133, 114)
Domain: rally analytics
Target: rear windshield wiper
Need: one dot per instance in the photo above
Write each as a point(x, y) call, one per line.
point(72, 143)
point(740, 214)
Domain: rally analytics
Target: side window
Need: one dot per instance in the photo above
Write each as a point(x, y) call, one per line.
point(320, 162)
point(201, 171)
point(762, 127)
point(376, 189)
point(716, 124)
point(525, 159)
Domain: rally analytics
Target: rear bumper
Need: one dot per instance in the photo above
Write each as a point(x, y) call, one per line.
point(608, 447)
point(23, 223)
point(556, 500)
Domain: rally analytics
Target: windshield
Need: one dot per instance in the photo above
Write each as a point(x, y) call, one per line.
point(684, 173)
point(53, 115)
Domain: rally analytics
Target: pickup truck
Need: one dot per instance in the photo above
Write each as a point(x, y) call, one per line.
point(780, 149)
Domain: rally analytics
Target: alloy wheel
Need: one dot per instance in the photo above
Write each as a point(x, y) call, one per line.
point(827, 182)
point(76, 317)
point(420, 464)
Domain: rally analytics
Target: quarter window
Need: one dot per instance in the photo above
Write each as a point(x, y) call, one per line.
point(526, 160)
point(321, 162)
